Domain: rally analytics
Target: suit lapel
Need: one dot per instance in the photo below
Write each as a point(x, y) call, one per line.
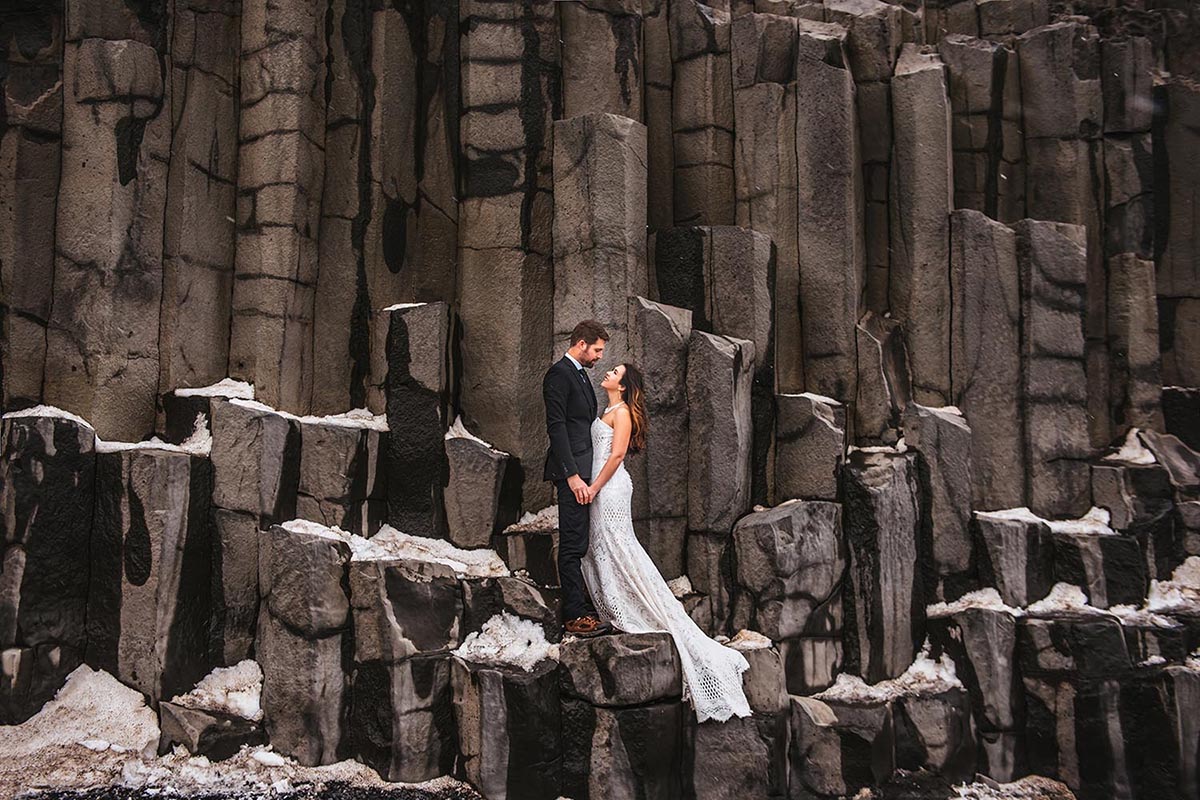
point(581, 379)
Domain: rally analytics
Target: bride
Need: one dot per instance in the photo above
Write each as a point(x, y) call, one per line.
point(624, 583)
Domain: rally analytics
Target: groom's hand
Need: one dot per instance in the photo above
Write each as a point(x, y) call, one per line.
point(582, 494)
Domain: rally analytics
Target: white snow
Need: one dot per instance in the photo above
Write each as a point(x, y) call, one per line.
point(226, 387)
point(1064, 597)
point(402, 306)
point(1132, 451)
point(1021, 514)
point(48, 411)
point(1152, 661)
point(235, 690)
point(1181, 593)
point(315, 529)
point(391, 543)
point(459, 431)
point(199, 443)
point(899, 447)
point(507, 640)
point(987, 598)
point(923, 677)
point(820, 398)
point(1095, 521)
point(745, 640)
point(1031, 787)
point(355, 418)
point(1131, 615)
point(543, 521)
point(681, 586)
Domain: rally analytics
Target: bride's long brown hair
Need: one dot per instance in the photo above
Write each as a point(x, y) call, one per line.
point(634, 396)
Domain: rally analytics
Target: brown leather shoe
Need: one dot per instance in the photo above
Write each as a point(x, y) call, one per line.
point(586, 626)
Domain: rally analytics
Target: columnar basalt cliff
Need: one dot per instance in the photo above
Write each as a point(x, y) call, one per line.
point(915, 286)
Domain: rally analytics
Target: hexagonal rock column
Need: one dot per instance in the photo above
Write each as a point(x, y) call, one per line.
point(1063, 113)
point(1178, 274)
point(983, 79)
point(1052, 264)
point(884, 384)
point(30, 152)
point(343, 474)
point(985, 355)
point(810, 446)
point(599, 225)
point(790, 560)
point(198, 240)
point(875, 30)
point(484, 598)
point(764, 100)
point(831, 759)
point(256, 459)
point(626, 669)
point(1141, 503)
point(921, 197)
point(150, 588)
point(472, 497)
point(829, 225)
point(418, 394)
point(656, 99)
point(1110, 568)
point(885, 604)
point(943, 443)
point(281, 167)
point(530, 546)
point(1127, 83)
point(47, 488)
point(509, 728)
point(102, 344)
point(602, 60)
point(509, 77)
point(407, 617)
point(1134, 379)
point(702, 115)
point(658, 343)
point(304, 641)
point(742, 757)
point(724, 275)
point(1015, 554)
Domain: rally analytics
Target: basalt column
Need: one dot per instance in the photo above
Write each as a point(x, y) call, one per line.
point(510, 79)
point(198, 241)
point(281, 168)
point(102, 343)
point(829, 231)
point(30, 148)
point(656, 111)
point(602, 57)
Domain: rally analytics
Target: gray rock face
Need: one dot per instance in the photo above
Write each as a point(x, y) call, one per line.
point(234, 585)
point(47, 488)
point(484, 598)
point(342, 475)
point(810, 446)
point(702, 114)
point(934, 733)
point(1134, 380)
point(102, 347)
point(1126, 80)
point(811, 663)
point(884, 383)
point(1016, 556)
point(212, 734)
point(1060, 74)
point(627, 669)
point(1110, 569)
point(622, 752)
point(710, 570)
point(829, 229)
point(255, 458)
point(982, 643)
point(885, 607)
point(765, 682)
point(199, 234)
point(836, 747)
point(1129, 199)
point(281, 171)
point(418, 390)
point(1178, 273)
point(743, 757)
point(403, 608)
point(303, 643)
point(922, 189)
point(985, 354)
point(791, 560)
point(943, 443)
point(30, 154)
point(1053, 269)
point(150, 588)
point(601, 71)
point(472, 497)
point(658, 72)
point(505, 276)
point(509, 728)
point(720, 370)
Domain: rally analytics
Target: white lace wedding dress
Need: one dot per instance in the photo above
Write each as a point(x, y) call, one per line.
point(630, 593)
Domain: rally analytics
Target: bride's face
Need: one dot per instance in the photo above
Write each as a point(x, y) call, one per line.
point(613, 378)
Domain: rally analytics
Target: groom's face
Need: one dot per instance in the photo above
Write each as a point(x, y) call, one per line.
point(591, 353)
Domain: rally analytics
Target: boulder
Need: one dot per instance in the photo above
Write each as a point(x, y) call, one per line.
point(934, 732)
point(202, 732)
point(811, 663)
point(531, 549)
point(1110, 568)
point(885, 604)
point(810, 446)
point(791, 560)
point(764, 683)
point(472, 497)
point(982, 643)
point(484, 598)
point(627, 669)
point(150, 583)
point(838, 746)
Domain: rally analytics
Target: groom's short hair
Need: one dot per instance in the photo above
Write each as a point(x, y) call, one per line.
point(590, 331)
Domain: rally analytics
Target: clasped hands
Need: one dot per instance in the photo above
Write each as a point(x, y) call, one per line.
point(584, 494)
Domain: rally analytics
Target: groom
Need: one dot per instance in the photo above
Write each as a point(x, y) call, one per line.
point(570, 411)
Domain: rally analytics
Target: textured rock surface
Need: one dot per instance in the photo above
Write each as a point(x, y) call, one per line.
point(810, 445)
point(628, 669)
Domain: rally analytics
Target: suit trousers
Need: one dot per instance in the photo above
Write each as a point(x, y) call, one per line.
point(573, 530)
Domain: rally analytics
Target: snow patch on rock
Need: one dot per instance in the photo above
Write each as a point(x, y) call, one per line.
point(681, 586)
point(307, 526)
point(1132, 615)
point(1132, 451)
point(1021, 514)
point(199, 443)
point(745, 640)
point(402, 306)
point(235, 690)
point(1064, 597)
point(1096, 520)
point(543, 521)
point(355, 418)
point(226, 387)
point(459, 431)
point(924, 676)
point(391, 543)
point(1031, 787)
point(508, 640)
point(1181, 593)
point(48, 411)
point(987, 598)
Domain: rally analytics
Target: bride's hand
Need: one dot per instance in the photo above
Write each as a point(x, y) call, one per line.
point(592, 490)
